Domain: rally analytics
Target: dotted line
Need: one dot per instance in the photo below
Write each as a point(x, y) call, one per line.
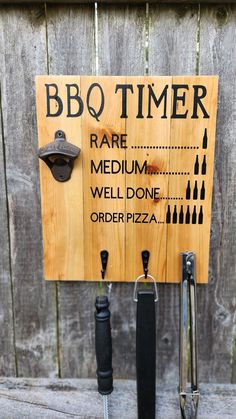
point(166, 197)
point(165, 147)
point(168, 173)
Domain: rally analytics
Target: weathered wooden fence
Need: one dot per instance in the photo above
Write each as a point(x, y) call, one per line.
point(47, 328)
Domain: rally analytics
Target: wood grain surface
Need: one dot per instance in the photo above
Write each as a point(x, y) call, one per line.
point(7, 344)
point(75, 300)
point(118, 1)
point(172, 49)
point(182, 39)
point(94, 211)
point(217, 302)
point(33, 300)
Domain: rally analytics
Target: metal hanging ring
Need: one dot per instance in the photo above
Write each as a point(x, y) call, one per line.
point(135, 297)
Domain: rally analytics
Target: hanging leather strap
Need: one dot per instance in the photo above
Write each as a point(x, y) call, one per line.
point(146, 354)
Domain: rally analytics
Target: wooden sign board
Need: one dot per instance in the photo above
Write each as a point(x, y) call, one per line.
point(143, 180)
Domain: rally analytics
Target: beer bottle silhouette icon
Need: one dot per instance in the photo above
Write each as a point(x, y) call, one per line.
point(188, 191)
point(195, 191)
point(196, 166)
point(168, 215)
point(194, 215)
point(204, 141)
point(175, 215)
point(200, 216)
point(181, 215)
point(202, 192)
point(187, 217)
point(204, 165)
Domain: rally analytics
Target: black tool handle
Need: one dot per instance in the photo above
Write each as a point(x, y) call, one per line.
point(103, 345)
point(146, 354)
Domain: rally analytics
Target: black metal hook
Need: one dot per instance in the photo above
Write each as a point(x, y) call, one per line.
point(104, 258)
point(145, 259)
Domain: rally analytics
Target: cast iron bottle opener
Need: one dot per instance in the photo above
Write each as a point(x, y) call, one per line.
point(59, 156)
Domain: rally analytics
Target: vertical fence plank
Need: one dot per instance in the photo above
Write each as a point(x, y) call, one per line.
point(172, 51)
point(172, 39)
point(217, 303)
point(7, 349)
point(121, 40)
point(121, 51)
point(24, 56)
point(71, 51)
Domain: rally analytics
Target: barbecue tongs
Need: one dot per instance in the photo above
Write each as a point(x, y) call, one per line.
point(188, 337)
